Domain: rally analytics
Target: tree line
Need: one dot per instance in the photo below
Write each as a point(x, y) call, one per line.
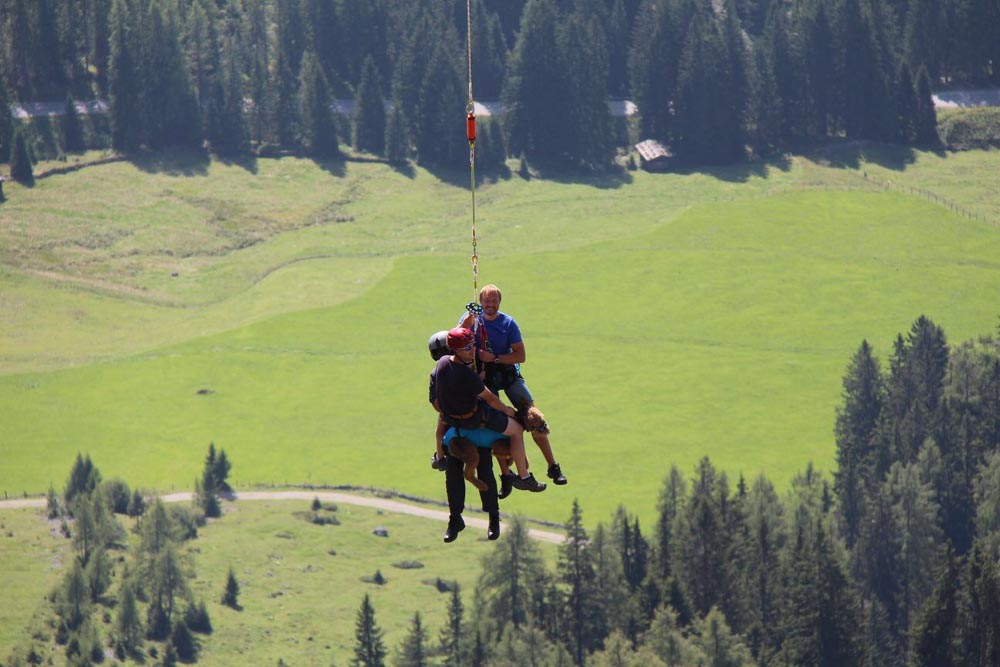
point(717, 81)
point(894, 561)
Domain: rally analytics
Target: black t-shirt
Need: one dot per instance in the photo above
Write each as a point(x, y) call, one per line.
point(455, 386)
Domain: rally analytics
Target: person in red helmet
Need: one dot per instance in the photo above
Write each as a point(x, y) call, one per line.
point(462, 400)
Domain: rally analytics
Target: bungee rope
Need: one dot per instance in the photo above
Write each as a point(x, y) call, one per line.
point(470, 130)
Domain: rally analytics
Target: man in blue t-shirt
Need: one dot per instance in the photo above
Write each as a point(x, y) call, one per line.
point(501, 349)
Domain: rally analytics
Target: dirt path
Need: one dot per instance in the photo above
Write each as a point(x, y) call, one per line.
point(384, 504)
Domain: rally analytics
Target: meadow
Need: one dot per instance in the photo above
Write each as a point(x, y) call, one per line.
point(301, 584)
point(281, 309)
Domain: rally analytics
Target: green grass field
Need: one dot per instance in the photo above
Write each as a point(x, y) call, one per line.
point(666, 317)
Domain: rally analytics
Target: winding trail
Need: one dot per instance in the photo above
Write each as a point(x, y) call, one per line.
point(384, 504)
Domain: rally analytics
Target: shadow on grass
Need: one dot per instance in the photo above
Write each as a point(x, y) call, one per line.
point(173, 162)
point(739, 172)
point(612, 178)
point(854, 154)
point(335, 166)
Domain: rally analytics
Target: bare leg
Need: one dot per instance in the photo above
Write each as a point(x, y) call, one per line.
point(516, 435)
point(542, 440)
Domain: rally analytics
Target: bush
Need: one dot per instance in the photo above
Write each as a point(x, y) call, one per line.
point(965, 129)
point(118, 494)
point(187, 520)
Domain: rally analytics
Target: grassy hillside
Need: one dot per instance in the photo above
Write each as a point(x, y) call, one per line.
point(666, 316)
point(300, 583)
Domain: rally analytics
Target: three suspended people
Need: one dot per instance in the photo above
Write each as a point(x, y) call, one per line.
point(474, 362)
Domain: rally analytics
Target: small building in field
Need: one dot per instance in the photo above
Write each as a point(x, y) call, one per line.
point(654, 155)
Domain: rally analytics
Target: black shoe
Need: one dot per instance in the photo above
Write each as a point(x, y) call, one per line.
point(494, 531)
point(555, 474)
point(455, 526)
point(438, 463)
point(528, 483)
point(506, 485)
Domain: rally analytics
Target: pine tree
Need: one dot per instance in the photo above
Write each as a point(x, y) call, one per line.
point(231, 596)
point(703, 546)
point(855, 430)
point(510, 573)
point(906, 105)
point(585, 136)
point(534, 85)
point(261, 112)
point(819, 623)
point(576, 574)
point(669, 504)
point(75, 600)
point(167, 586)
point(876, 563)
point(84, 478)
point(6, 122)
point(123, 85)
point(369, 112)
point(21, 169)
point(412, 653)
point(864, 90)
point(761, 586)
point(926, 118)
point(318, 131)
point(978, 625)
point(450, 640)
point(369, 651)
point(439, 133)
point(227, 130)
point(820, 68)
point(652, 66)
point(71, 127)
point(397, 142)
point(916, 512)
point(935, 627)
point(128, 624)
point(720, 645)
point(707, 122)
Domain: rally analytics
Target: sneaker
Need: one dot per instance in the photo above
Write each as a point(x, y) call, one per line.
point(528, 483)
point(455, 526)
point(506, 485)
point(555, 474)
point(494, 531)
point(438, 463)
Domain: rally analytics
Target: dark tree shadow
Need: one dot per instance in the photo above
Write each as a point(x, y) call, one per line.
point(853, 154)
point(738, 172)
point(335, 166)
point(404, 168)
point(172, 162)
point(247, 162)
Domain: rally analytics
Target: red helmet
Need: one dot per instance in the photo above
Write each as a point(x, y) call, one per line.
point(460, 337)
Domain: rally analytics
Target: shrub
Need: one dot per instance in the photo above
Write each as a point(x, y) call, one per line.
point(118, 494)
point(965, 129)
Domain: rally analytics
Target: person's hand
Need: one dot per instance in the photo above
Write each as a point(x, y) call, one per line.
point(474, 308)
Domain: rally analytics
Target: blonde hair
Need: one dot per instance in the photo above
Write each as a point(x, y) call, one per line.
point(490, 289)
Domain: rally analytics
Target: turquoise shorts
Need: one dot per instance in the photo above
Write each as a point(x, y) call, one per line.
point(480, 437)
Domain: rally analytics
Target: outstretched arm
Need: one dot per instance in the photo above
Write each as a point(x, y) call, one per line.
point(494, 402)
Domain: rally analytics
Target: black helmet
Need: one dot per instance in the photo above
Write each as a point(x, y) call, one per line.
point(438, 345)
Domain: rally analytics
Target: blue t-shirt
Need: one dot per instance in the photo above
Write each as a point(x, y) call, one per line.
point(499, 333)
